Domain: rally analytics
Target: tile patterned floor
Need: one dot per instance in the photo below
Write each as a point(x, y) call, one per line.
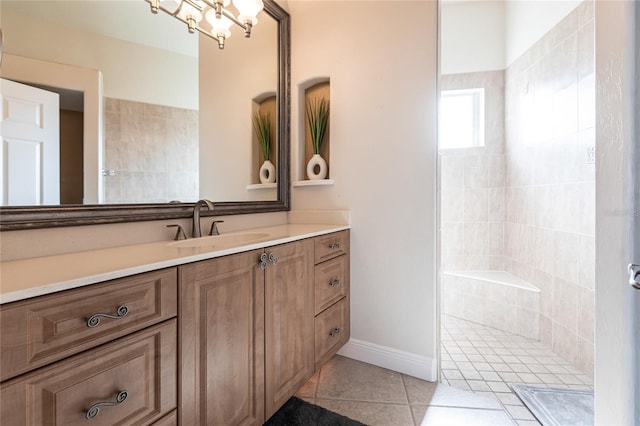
point(485, 361)
point(478, 365)
point(379, 397)
point(369, 394)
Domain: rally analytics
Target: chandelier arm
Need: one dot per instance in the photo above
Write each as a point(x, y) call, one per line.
point(194, 4)
point(178, 17)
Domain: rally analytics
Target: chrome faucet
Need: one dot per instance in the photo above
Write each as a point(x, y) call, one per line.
point(195, 230)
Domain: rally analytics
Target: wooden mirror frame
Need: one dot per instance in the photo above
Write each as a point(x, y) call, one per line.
point(16, 218)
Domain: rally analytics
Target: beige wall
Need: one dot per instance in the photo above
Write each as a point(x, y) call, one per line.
point(230, 81)
point(381, 59)
point(130, 71)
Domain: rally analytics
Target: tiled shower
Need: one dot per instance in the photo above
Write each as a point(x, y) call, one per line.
point(524, 204)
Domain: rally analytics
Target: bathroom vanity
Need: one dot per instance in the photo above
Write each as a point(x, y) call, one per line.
point(209, 331)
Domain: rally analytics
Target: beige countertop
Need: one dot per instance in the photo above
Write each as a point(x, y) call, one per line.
point(23, 279)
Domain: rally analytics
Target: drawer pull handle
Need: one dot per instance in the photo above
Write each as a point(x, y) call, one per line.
point(334, 246)
point(95, 408)
point(273, 258)
point(94, 320)
point(334, 332)
point(334, 283)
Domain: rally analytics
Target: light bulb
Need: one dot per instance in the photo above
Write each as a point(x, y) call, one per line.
point(219, 26)
point(248, 10)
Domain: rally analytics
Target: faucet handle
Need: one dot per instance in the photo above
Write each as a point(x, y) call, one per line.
point(214, 227)
point(180, 235)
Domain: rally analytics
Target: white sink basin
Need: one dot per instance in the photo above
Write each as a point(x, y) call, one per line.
point(215, 241)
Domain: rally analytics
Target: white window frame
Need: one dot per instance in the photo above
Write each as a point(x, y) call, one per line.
point(477, 121)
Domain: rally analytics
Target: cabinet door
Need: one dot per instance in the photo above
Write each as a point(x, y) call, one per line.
point(288, 321)
point(222, 341)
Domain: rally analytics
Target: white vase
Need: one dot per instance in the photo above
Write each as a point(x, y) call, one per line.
point(267, 172)
point(317, 168)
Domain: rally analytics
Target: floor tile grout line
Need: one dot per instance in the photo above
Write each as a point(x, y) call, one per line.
point(527, 353)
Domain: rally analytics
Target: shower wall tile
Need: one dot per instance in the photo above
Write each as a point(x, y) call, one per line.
point(550, 180)
point(528, 323)
point(545, 329)
point(586, 354)
point(496, 204)
point(586, 314)
point(452, 206)
point(564, 342)
point(586, 262)
point(452, 253)
point(566, 256)
point(565, 304)
point(472, 183)
point(496, 240)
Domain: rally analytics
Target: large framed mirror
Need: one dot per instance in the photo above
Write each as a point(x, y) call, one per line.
point(148, 152)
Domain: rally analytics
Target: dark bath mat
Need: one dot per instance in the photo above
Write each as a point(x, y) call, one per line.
point(296, 412)
point(557, 407)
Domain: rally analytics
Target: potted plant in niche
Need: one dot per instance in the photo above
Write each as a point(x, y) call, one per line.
point(317, 118)
point(262, 127)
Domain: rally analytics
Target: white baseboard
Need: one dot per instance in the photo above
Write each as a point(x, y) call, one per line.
point(422, 367)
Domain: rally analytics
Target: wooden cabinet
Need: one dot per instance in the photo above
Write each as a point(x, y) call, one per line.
point(130, 381)
point(331, 287)
point(225, 341)
point(246, 336)
point(289, 332)
point(222, 341)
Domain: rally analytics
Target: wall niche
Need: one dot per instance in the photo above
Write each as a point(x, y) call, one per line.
point(263, 104)
point(312, 91)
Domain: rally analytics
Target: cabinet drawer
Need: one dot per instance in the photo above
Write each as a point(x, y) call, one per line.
point(332, 331)
point(142, 364)
point(331, 282)
point(331, 245)
point(39, 331)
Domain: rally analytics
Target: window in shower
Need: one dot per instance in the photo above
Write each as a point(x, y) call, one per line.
point(461, 118)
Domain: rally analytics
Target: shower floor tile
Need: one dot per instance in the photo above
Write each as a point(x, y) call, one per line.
point(486, 361)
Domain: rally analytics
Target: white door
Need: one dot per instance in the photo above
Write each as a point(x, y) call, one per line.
point(30, 154)
point(617, 360)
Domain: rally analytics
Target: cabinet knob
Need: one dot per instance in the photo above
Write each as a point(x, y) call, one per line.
point(273, 258)
point(334, 332)
point(94, 320)
point(95, 408)
point(263, 261)
point(334, 246)
point(334, 283)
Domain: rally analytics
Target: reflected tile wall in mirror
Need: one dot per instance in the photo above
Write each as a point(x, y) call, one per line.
point(152, 151)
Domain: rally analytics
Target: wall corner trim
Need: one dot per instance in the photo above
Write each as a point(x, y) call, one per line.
point(419, 366)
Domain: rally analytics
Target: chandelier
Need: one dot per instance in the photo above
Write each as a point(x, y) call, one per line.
point(215, 12)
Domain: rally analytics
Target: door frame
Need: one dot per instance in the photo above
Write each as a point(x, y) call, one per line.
point(36, 71)
point(617, 382)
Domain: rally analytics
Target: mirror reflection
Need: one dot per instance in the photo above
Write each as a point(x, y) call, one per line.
point(148, 113)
